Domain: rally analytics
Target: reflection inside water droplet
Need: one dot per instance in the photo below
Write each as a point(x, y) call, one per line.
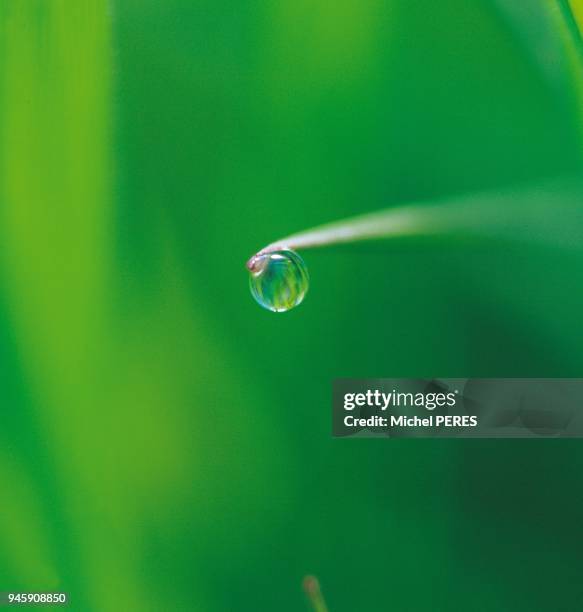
point(278, 280)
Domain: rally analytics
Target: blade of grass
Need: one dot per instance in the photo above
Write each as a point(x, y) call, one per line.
point(543, 32)
point(550, 37)
point(572, 13)
point(549, 214)
point(314, 594)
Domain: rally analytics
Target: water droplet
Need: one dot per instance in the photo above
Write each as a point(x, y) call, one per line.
point(278, 280)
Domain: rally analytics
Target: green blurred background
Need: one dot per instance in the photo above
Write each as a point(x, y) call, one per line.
point(164, 442)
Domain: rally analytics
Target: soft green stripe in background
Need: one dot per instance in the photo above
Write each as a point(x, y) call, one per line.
point(164, 443)
point(56, 234)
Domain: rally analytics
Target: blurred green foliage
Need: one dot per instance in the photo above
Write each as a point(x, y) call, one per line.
point(165, 443)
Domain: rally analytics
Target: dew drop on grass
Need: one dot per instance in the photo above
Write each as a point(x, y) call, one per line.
point(278, 280)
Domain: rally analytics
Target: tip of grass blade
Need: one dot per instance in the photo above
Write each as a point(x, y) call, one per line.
point(314, 594)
